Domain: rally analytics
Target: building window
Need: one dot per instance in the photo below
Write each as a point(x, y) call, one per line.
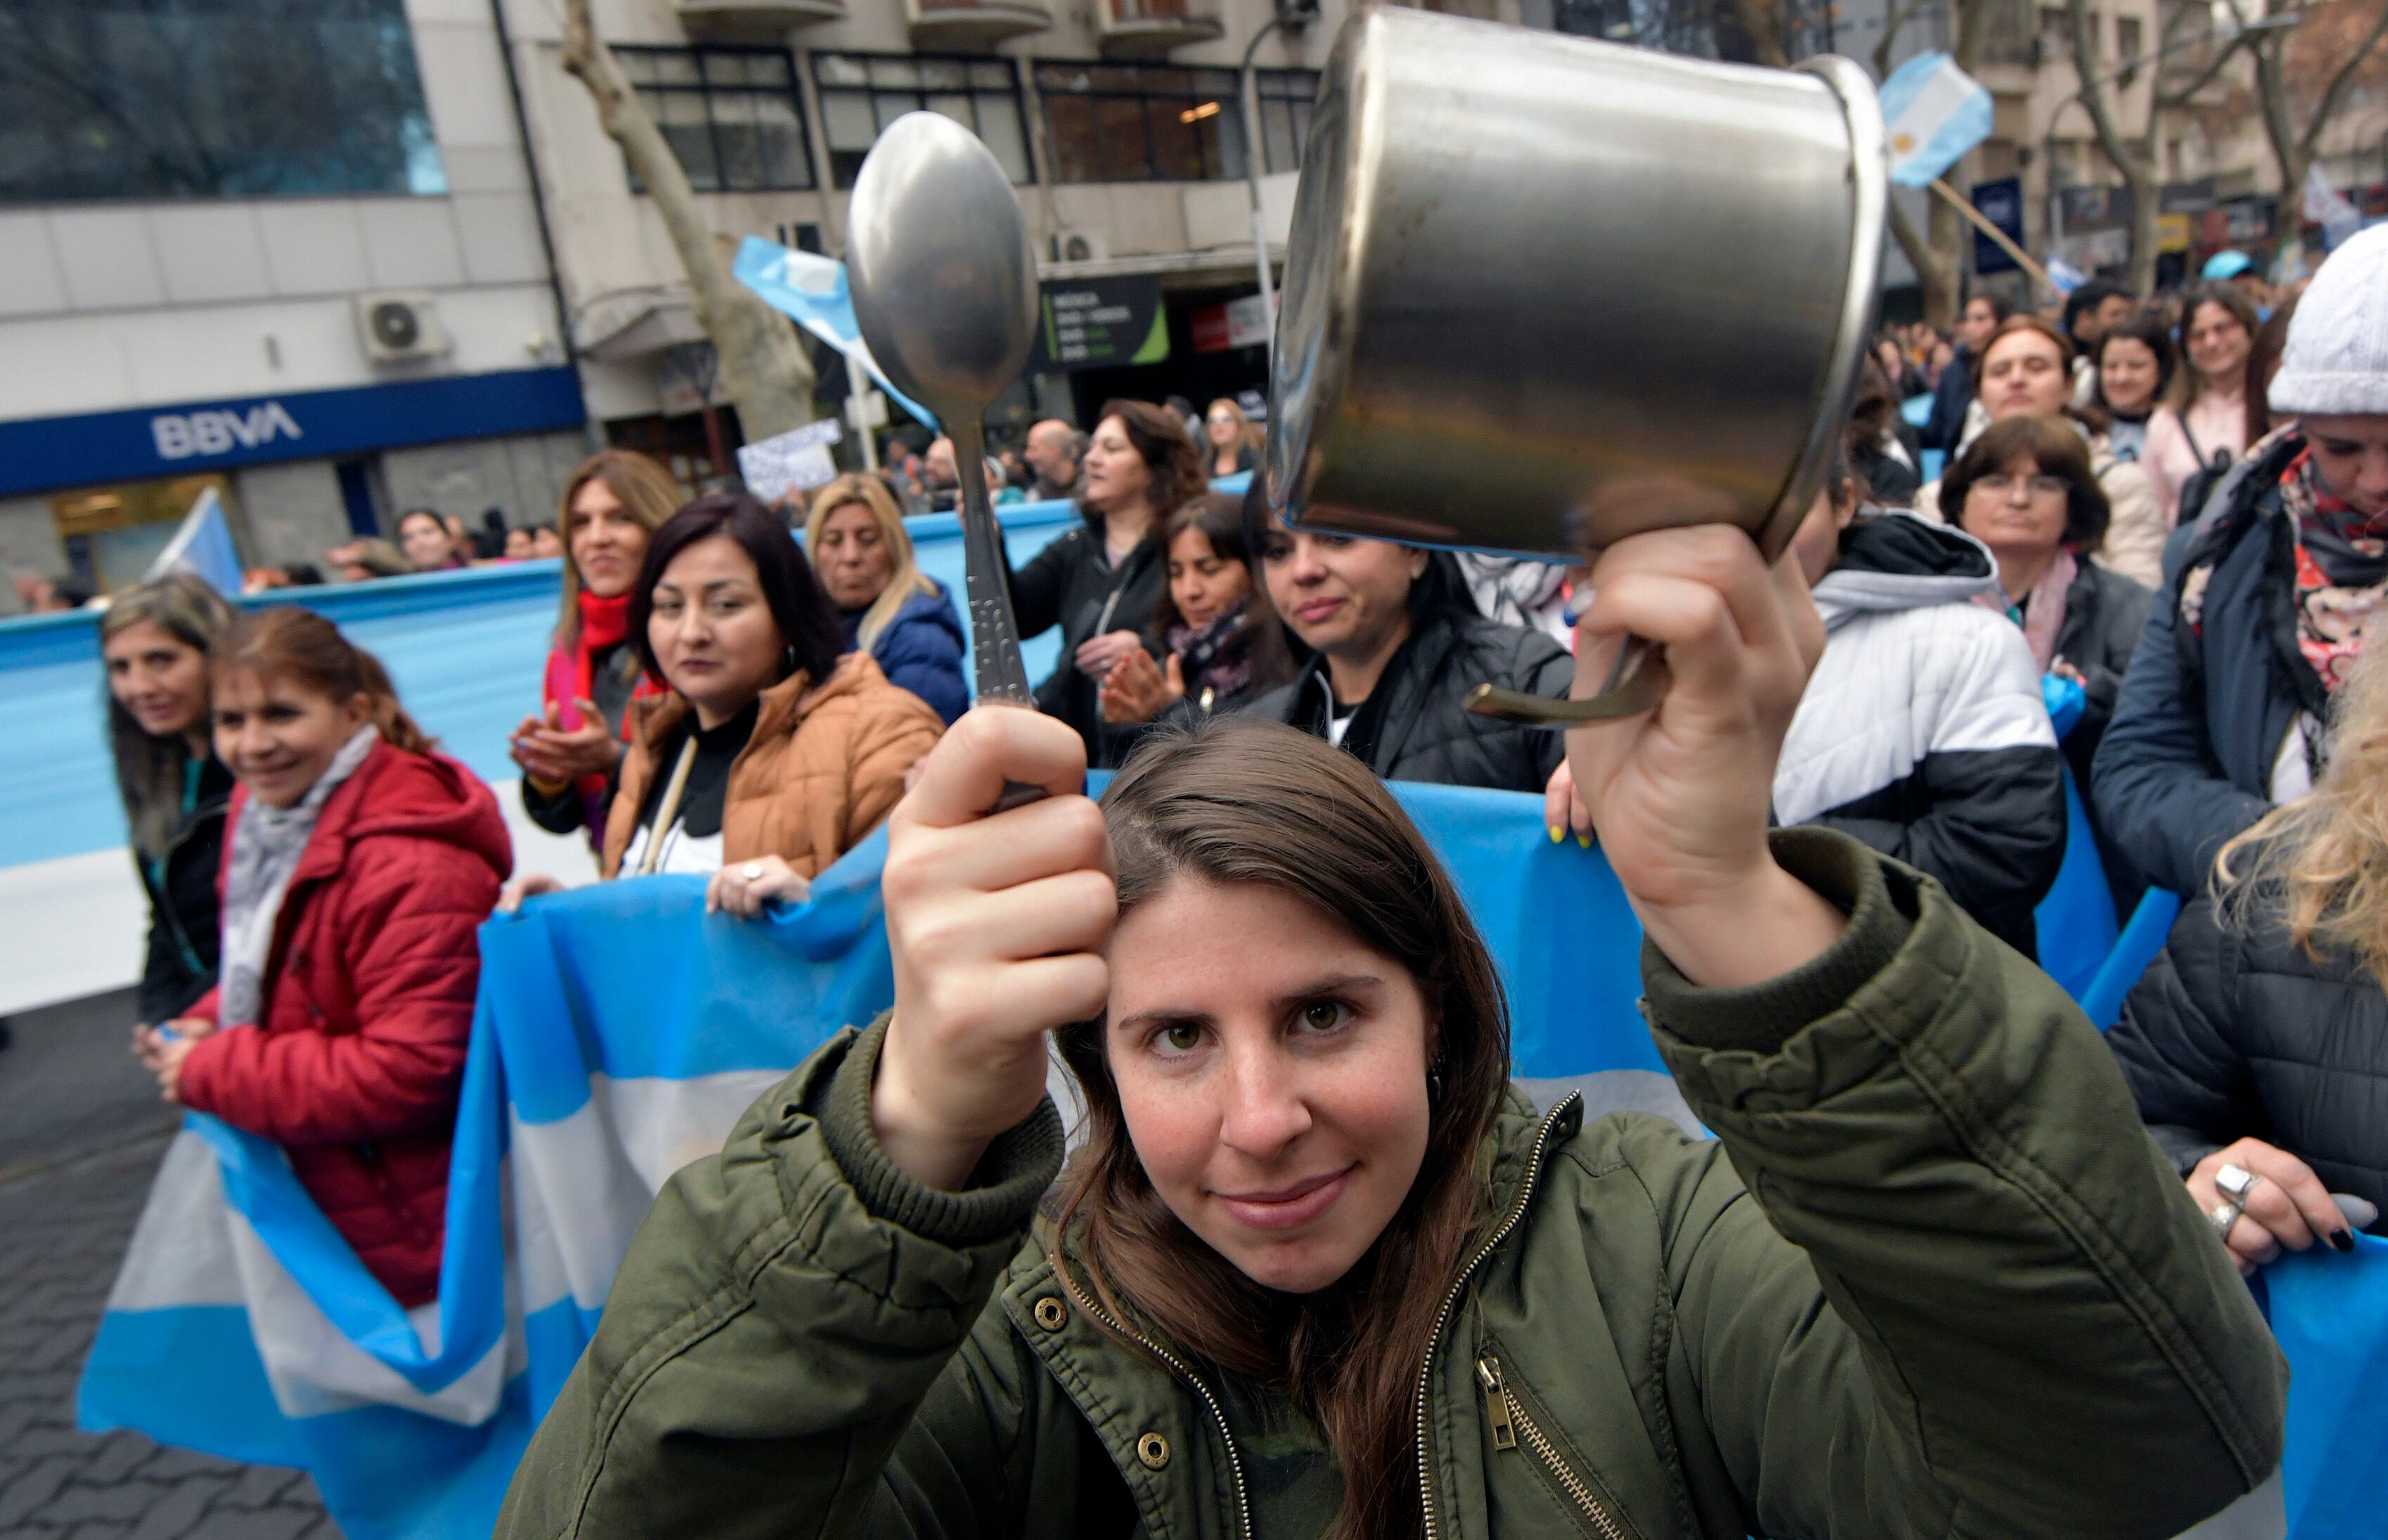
point(1142, 122)
point(210, 98)
point(732, 115)
point(861, 93)
point(2129, 41)
point(1286, 97)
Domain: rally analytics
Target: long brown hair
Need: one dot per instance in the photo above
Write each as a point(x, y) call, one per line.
point(1244, 801)
point(1170, 457)
point(286, 642)
point(646, 492)
point(149, 771)
point(1220, 517)
point(2189, 384)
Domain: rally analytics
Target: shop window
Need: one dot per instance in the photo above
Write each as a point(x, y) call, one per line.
point(861, 93)
point(732, 115)
point(112, 534)
point(1145, 122)
point(1286, 97)
point(210, 98)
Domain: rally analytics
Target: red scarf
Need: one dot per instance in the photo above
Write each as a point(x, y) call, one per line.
point(604, 623)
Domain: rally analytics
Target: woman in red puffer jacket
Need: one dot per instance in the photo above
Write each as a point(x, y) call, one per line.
point(358, 863)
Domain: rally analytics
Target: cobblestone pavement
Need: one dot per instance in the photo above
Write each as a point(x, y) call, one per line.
point(80, 1132)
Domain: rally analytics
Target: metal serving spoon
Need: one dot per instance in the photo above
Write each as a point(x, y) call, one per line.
point(945, 290)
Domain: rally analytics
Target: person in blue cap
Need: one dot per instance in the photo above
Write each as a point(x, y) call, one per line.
point(2239, 270)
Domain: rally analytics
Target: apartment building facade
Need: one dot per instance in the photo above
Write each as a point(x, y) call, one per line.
point(299, 262)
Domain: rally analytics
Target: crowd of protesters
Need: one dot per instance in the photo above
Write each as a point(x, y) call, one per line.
point(2175, 516)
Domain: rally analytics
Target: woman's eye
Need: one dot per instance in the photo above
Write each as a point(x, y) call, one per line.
point(1325, 1015)
point(1181, 1038)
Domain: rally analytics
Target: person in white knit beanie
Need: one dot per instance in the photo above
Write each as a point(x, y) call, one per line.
point(2269, 598)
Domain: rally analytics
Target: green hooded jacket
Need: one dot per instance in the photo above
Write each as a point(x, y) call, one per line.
point(1930, 1278)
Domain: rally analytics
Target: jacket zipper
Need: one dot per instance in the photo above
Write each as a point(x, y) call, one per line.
point(165, 891)
point(1450, 1301)
point(1178, 1366)
point(1510, 1419)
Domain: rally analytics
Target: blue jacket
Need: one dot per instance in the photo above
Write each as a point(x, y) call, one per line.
point(922, 650)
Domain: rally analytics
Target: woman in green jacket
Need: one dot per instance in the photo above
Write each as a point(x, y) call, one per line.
point(1316, 1272)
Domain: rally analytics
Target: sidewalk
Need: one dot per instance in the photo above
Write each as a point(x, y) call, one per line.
point(80, 1132)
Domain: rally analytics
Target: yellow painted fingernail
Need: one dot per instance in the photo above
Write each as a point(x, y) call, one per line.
point(1585, 840)
point(1556, 835)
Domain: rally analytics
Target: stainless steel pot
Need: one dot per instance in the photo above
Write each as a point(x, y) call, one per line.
point(1544, 292)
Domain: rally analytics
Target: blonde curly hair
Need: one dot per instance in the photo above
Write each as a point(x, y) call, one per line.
point(2322, 861)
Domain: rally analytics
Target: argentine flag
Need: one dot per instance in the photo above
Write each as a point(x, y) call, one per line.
point(812, 292)
point(203, 546)
point(1934, 112)
point(619, 1034)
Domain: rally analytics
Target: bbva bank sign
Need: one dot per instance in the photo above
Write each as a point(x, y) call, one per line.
point(183, 435)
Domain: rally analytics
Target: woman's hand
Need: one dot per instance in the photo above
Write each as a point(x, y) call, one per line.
point(1138, 691)
point(744, 887)
point(998, 924)
point(558, 756)
point(1562, 811)
point(526, 885)
point(1680, 794)
point(2288, 1206)
point(1096, 655)
point(161, 1051)
point(2063, 669)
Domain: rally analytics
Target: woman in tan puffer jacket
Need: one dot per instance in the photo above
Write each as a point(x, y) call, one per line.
point(771, 755)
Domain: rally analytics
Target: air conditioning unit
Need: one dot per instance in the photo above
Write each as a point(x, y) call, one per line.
point(1080, 245)
point(397, 326)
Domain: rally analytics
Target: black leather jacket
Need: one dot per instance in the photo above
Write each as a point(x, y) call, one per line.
point(1414, 725)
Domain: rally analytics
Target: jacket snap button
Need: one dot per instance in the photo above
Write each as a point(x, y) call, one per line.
point(1049, 1314)
point(1153, 1450)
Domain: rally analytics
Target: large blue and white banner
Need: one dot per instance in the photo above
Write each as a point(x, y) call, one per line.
point(619, 1034)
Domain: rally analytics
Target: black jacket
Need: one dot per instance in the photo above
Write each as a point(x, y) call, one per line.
point(180, 966)
point(1071, 584)
point(1414, 726)
point(2235, 1033)
point(2187, 759)
point(2104, 613)
point(1949, 400)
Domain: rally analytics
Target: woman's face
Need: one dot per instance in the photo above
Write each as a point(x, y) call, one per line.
point(157, 676)
point(426, 542)
point(2352, 455)
point(519, 547)
point(2022, 376)
point(545, 542)
point(712, 631)
point(277, 736)
point(853, 560)
point(2126, 373)
point(2018, 508)
point(1221, 425)
point(1203, 584)
point(607, 544)
point(1114, 473)
point(1342, 596)
point(2218, 345)
point(1272, 1072)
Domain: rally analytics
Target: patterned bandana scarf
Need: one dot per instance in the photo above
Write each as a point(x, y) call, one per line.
point(2342, 572)
point(1216, 656)
point(266, 845)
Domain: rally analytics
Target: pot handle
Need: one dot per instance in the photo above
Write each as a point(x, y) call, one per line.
point(1636, 682)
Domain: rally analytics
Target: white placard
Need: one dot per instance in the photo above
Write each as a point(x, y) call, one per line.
point(796, 461)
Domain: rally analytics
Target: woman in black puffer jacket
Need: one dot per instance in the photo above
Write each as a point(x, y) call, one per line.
point(2257, 1043)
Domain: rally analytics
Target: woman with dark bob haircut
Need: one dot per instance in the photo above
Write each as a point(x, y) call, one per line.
point(1317, 1271)
point(771, 755)
point(1100, 583)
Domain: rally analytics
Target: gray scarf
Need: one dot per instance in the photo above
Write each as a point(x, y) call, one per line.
point(266, 845)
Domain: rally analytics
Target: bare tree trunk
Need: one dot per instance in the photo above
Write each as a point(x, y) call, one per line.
point(763, 367)
point(2293, 147)
point(2136, 161)
point(1933, 272)
point(1937, 252)
point(1759, 20)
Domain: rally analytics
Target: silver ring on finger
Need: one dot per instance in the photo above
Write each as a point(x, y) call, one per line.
point(2222, 1216)
point(2236, 1182)
point(752, 872)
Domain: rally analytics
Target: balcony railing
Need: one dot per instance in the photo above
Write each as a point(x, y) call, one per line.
point(975, 23)
point(1132, 28)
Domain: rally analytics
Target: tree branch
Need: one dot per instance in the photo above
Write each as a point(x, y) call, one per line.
point(763, 369)
point(2331, 94)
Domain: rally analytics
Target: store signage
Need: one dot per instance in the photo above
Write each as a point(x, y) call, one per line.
point(1100, 323)
point(1238, 323)
point(43, 453)
point(2000, 202)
